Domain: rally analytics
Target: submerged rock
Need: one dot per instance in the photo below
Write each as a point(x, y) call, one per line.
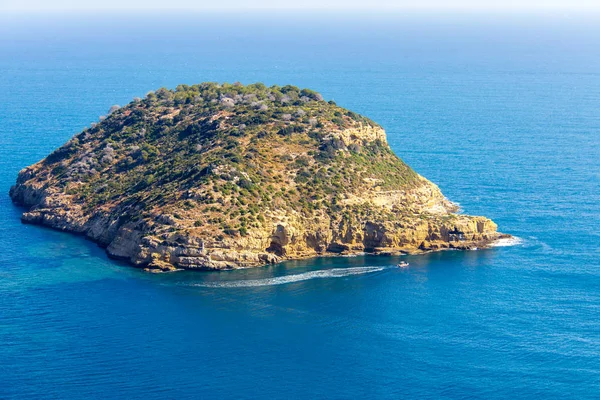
point(227, 176)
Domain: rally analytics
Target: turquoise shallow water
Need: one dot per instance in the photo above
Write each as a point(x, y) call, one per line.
point(501, 113)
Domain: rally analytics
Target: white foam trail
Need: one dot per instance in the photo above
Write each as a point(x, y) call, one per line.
point(281, 280)
point(505, 242)
point(352, 255)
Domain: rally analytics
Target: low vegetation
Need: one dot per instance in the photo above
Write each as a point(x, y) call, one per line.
point(224, 154)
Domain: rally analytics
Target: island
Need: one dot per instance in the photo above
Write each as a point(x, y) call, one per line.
point(223, 176)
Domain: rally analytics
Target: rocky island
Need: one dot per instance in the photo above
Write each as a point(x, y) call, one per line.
point(222, 176)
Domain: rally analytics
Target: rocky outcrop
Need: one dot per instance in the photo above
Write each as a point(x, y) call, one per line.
point(281, 238)
point(213, 193)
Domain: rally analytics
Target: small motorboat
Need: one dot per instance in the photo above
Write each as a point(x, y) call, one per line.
point(402, 264)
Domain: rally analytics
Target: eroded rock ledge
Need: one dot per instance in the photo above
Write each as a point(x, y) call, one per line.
point(229, 176)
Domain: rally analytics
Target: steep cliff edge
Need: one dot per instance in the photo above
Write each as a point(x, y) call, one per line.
point(217, 176)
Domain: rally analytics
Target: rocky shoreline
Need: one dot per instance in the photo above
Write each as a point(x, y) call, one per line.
point(126, 242)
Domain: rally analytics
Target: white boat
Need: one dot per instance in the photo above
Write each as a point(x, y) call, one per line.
point(402, 264)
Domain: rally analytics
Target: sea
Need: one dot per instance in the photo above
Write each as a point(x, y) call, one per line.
point(502, 111)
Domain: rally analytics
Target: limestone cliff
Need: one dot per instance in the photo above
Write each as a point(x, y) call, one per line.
point(225, 176)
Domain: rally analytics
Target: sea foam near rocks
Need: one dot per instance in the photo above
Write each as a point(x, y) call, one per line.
point(507, 242)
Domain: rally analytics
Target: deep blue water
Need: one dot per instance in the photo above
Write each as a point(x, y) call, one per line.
point(502, 112)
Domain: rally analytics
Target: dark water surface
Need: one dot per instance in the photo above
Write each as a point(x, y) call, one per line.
point(503, 114)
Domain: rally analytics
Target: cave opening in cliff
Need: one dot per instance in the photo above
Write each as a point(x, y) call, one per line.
point(276, 248)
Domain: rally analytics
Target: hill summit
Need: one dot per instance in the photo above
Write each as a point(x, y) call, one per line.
point(220, 176)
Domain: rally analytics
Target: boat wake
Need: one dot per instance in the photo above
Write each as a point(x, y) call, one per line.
point(282, 280)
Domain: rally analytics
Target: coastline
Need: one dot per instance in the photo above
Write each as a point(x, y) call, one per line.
point(158, 265)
